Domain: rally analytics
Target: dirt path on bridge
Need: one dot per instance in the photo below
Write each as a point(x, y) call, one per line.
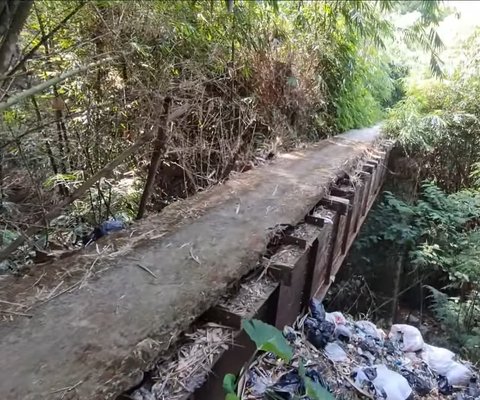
point(115, 311)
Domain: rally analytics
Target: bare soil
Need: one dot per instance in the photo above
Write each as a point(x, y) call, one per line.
point(85, 327)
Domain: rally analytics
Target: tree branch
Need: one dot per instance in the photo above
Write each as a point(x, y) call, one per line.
point(54, 81)
point(29, 55)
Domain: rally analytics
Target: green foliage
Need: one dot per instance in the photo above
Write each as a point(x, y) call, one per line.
point(268, 338)
point(440, 233)
point(460, 319)
point(313, 389)
point(230, 385)
point(435, 229)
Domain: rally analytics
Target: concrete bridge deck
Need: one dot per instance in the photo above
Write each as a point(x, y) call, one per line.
point(98, 335)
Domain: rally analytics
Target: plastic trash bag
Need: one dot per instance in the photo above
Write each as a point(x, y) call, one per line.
point(104, 229)
point(343, 333)
point(317, 310)
point(419, 385)
point(290, 385)
point(319, 333)
point(287, 387)
point(442, 362)
point(368, 344)
point(444, 387)
point(459, 374)
point(369, 328)
point(335, 353)
point(408, 336)
point(388, 384)
point(439, 360)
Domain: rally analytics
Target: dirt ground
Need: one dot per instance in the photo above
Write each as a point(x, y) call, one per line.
point(86, 327)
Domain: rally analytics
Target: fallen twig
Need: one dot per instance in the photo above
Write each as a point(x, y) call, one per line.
point(12, 304)
point(195, 258)
point(67, 389)
point(360, 390)
point(147, 270)
point(16, 313)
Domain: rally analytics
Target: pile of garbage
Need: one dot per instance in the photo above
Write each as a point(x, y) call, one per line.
point(357, 360)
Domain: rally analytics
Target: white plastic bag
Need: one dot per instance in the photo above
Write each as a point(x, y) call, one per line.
point(439, 360)
point(410, 337)
point(394, 385)
point(442, 362)
point(459, 375)
point(335, 353)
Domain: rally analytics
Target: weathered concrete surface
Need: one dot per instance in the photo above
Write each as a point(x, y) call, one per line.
point(87, 339)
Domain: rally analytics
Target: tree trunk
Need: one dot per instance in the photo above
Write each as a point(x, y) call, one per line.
point(48, 148)
point(397, 284)
point(45, 37)
point(159, 146)
point(12, 26)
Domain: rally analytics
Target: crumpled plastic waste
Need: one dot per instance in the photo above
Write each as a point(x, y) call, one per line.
point(319, 333)
point(388, 384)
point(420, 385)
point(444, 387)
point(317, 310)
point(287, 387)
point(369, 328)
point(105, 228)
point(410, 337)
point(336, 317)
point(335, 353)
point(343, 333)
point(142, 394)
point(290, 385)
point(258, 383)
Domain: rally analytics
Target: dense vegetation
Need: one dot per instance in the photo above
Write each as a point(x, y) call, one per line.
point(220, 86)
point(429, 226)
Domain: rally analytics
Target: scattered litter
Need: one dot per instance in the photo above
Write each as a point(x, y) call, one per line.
point(325, 213)
point(104, 229)
point(355, 360)
point(194, 257)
